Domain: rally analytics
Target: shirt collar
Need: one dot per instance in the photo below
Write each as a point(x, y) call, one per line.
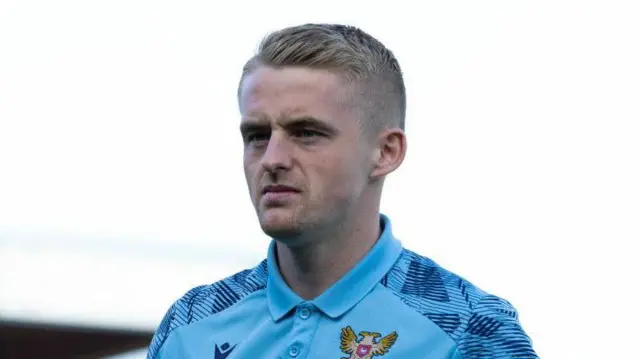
point(345, 293)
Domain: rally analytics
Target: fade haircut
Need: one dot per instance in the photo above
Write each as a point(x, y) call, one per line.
point(351, 53)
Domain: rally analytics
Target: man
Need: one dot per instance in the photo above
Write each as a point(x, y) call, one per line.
point(323, 110)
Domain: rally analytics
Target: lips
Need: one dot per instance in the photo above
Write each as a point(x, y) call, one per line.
point(279, 189)
point(278, 195)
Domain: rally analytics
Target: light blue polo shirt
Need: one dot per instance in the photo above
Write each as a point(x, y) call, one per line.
point(393, 304)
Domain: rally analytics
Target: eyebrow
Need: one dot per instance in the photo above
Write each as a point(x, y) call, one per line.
point(295, 122)
point(252, 126)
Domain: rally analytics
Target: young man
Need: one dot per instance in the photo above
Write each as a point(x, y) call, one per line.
point(323, 110)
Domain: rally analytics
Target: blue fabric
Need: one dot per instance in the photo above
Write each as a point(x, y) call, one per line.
point(393, 304)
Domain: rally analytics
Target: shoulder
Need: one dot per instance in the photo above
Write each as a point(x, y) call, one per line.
point(206, 300)
point(442, 296)
point(481, 324)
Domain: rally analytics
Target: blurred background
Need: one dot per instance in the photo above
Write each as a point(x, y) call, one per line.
point(121, 183)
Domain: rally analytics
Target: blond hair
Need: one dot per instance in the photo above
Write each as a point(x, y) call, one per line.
point(352, 53)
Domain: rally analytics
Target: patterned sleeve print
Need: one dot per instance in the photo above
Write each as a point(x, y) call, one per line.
point(494, 332)
point(161, 334)
point(205, 300)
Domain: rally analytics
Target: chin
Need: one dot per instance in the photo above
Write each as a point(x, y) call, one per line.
point(279, 223)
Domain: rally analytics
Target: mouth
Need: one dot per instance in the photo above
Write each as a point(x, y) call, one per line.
point(275, 196)
point(278, 189)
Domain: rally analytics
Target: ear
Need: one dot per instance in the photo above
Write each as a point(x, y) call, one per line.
point(389, 153)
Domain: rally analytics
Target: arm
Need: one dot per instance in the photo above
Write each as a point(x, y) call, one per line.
point(494, 332)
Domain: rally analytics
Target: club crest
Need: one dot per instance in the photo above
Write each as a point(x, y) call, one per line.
point(368, 346)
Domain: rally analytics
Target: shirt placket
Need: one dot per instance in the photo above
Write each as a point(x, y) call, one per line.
point(305, 324)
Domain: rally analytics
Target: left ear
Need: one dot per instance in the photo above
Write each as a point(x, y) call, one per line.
point(389, 153)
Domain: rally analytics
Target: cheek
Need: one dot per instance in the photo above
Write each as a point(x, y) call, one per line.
point(251, 176)
point(339, 176)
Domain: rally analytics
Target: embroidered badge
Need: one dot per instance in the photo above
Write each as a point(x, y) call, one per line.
point(368, 346)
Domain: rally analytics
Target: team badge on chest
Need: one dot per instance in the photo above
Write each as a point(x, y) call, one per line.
point(368, 346)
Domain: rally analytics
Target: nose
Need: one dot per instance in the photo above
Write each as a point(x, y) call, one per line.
point(277, 155)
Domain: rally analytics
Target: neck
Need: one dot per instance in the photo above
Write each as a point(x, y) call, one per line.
point(312, 268)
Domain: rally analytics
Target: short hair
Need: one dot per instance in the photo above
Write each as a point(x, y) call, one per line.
point(350, 52)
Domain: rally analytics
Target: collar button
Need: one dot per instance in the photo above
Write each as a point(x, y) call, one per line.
point(304, 313)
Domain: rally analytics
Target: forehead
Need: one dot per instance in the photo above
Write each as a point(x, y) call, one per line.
point(274, 93)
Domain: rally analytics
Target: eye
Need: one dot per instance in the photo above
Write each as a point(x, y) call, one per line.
point(256, 137)
point(307, 133)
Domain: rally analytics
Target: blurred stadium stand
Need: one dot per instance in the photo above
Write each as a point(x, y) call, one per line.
point(63, 298)
point(26, 341)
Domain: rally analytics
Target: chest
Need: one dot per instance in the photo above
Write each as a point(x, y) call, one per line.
point(307, 333)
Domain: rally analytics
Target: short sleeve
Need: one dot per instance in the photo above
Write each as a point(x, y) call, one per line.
point(161, 334)
point(493, 331)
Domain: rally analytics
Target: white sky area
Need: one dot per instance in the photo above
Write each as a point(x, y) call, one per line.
point(121, 183)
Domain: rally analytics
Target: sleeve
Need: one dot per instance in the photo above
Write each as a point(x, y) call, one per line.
point(161, 334)
point(494, 332)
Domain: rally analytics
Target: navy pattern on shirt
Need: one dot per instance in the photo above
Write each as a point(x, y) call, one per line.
point(482, 325)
